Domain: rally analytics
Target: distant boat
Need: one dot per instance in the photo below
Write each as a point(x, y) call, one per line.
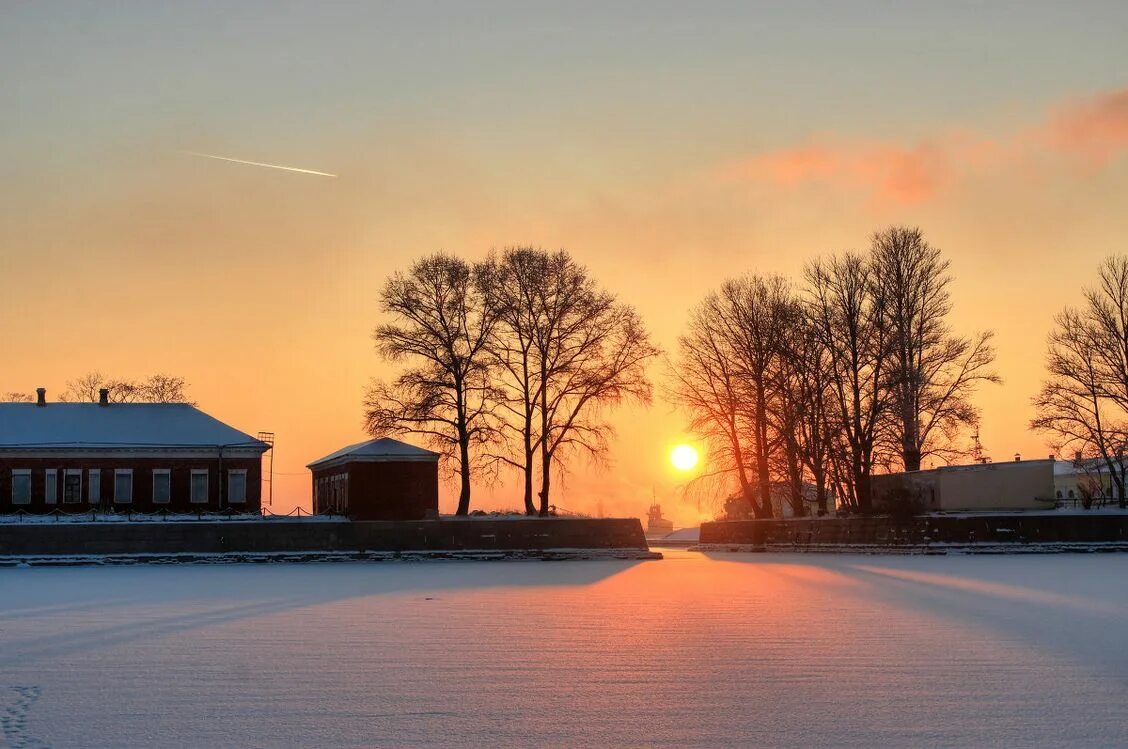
point(656, 525)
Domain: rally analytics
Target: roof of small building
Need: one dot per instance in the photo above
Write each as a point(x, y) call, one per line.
point(27, 426)
point(383, 450)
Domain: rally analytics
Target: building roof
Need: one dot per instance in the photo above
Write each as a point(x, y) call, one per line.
point(993, 466)
point(26, 426)
point(1087, 466)
point(383, 450)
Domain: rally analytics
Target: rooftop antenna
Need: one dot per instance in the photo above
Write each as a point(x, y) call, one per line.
point(977, 449)
point(268, 438)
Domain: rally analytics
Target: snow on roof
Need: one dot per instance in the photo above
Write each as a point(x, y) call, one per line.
point(992, 466)
point(26, 426)
point(378, 450)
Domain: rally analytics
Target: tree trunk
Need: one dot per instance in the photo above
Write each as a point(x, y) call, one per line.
point(911, 457)
point(763, 476)
point(862, 484)
point(546, 457)
point(765, 483)
point(530, 508)
point(750, 497)
point(795, 482)
point(464, 474)
point(546, 472)
point(820, 493)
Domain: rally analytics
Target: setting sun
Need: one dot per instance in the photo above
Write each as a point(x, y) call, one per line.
point(684, 457)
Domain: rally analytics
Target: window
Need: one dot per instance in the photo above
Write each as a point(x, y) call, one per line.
point(72, 486)
point(341, 493)
point(162, 485)
point(237, 486)
point(95, 493)
point(199, 485)
point(123, 485)
point(51, 485)
point(21, 486)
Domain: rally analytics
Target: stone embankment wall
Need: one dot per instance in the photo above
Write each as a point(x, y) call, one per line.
point(918, 531)
point(222, 537)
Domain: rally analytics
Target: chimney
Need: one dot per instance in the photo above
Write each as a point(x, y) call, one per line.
point(41, 397)
point(103, 397)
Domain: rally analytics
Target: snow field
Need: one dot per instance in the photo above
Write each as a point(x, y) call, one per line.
point(696, 650)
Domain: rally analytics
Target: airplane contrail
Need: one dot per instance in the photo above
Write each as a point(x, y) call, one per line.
point(259, 163)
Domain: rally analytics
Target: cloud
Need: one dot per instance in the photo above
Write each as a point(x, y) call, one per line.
point(887, 172)
point(1095, 128)
point(1090, 132)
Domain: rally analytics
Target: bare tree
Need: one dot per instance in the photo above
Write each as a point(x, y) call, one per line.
point(763, 311)
point(17, 397)
point(706, 382)
point(851, 321)
point(590, 353)
point(443, 317)
point(519, 273)
point(163, 388)
point(934, 373)
point(1084, 400)
point(733, 379)
point(807, 421)
point(158, 388)
point(1106, 320)
point(85, 389)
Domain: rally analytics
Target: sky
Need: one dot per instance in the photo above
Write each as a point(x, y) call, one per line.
point(668, 147)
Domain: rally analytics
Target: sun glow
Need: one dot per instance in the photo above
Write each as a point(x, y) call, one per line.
point(684, 457)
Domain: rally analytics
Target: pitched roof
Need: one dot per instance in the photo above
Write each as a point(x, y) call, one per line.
point(26, 426)
point(381, 450)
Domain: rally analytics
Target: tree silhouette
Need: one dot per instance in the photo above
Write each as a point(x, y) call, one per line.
point(934, 373)
point(1084, 401)
point(443, 316)
point(157, 388)
point(590, 353)
point(850, 317)
point(733, 378)
point(519, 273)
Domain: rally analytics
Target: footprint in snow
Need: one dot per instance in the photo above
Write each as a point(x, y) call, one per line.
point(13, 719)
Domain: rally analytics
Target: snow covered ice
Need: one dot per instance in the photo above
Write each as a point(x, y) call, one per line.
point(696, 650)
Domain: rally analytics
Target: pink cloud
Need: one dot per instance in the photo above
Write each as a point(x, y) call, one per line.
point(1095, 128)
point(886, 172)
point(1092, 130)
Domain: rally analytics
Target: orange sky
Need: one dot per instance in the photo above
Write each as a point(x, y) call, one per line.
point(685, 157)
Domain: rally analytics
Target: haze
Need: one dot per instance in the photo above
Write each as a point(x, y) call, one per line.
point(666, 147)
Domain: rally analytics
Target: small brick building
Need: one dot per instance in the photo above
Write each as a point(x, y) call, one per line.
point(382, 479)
point(140, 457)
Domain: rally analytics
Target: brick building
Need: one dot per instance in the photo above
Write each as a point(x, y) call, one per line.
point(382, 479)
point(142, 457)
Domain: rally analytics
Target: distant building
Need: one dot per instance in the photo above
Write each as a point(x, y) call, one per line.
point(737, 506)
point(656, 525)
point(382, 479)
point(1086, 479)
point(141, 457)
point(1014, 485)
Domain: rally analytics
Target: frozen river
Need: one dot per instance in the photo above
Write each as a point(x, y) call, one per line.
point(695, 650)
